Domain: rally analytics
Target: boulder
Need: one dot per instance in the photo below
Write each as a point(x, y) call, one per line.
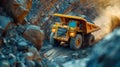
point(35, 35)
point(17, 9)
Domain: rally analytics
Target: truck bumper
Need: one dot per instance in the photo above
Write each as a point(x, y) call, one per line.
point(62, 38)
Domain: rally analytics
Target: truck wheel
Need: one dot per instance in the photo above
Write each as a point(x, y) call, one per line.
point(52, 40)
point(90, 39)
point(76, 42)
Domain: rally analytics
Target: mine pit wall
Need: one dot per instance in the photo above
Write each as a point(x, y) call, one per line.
point(42, 10)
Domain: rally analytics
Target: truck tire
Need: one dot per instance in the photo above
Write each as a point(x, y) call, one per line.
point(52, 40)
point(76, 42)
point(90, 39)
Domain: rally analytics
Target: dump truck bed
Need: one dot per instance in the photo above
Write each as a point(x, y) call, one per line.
point(91, 27)
point(88, 27)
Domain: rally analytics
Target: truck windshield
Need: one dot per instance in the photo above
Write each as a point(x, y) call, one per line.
point(72, 24)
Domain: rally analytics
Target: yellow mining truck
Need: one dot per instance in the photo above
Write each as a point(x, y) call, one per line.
point(72, 30)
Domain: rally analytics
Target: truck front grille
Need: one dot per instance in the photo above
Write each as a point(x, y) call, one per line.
point(61, 32)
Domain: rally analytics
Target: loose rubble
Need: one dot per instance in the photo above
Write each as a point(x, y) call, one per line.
point(17, 51)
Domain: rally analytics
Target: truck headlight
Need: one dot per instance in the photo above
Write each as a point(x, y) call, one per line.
point(53, 30)
point(72, 34)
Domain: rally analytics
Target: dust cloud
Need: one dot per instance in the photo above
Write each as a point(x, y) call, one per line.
point(108, 16)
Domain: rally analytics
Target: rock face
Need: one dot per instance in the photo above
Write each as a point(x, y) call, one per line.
point(19, 9)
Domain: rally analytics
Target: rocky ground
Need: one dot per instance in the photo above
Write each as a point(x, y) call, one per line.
point(55, 52)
